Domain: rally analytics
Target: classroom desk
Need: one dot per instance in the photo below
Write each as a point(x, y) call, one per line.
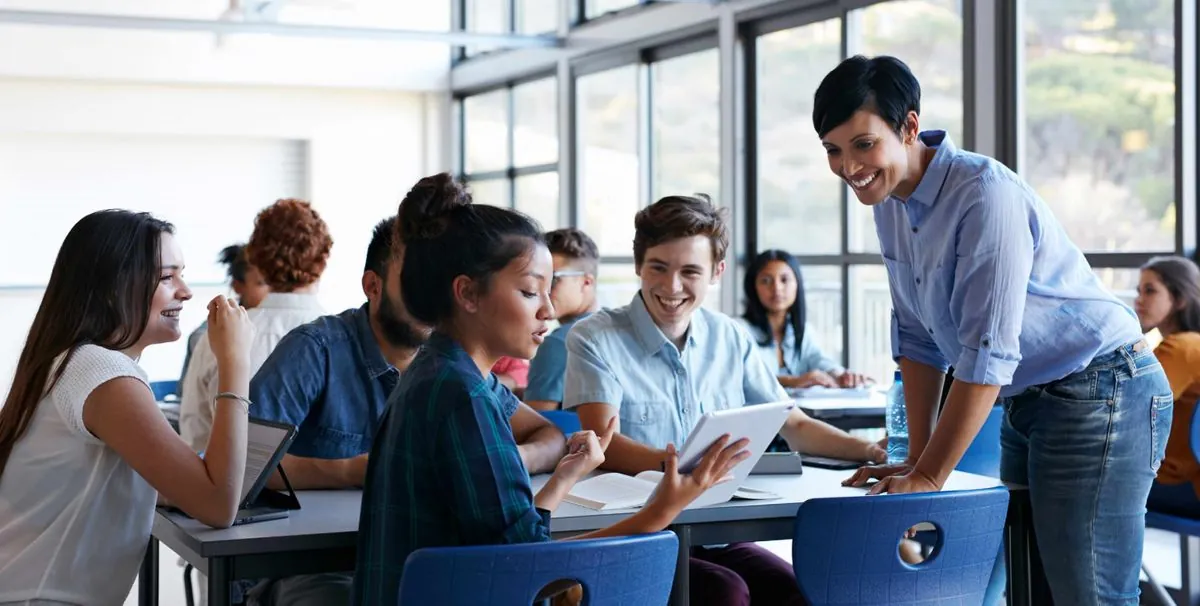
point(847, 413)
point(321, 537)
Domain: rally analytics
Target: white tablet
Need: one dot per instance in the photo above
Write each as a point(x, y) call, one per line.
point(760, 423)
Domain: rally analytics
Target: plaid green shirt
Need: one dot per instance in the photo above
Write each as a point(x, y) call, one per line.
point(444, 471)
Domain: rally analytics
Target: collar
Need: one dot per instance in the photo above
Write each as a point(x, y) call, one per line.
point(290, 300)
point(651, 337)
point(930, 186)
point(377, 366)
point(442, 345)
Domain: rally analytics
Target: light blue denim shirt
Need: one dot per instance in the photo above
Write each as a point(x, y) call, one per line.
point(620, 357)
point(796, 360)
point(983, 277)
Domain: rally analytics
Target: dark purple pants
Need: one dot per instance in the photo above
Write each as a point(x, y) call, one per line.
point(739, 575)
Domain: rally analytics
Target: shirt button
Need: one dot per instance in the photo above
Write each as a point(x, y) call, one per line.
point(930, 331)
point(987, 343)
point(914, 230)
point(918, 280)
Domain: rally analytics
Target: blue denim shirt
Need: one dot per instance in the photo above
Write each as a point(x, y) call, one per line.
point(621, 358)
point(329, 378)
point(548, 369)
point(983, 277)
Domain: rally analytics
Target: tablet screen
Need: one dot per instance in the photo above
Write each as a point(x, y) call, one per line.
point(263, 440)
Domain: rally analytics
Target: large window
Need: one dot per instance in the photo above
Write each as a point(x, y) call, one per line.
point(526, 17)
point(686, 118)
point(510, 149)
point(607, 135)
point(1099, 119)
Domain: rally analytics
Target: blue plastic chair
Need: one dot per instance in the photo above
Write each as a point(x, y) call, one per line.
point(634, 571)
point(1188, 530)
point(567, 422)
point(162, 389)
point(845, 548)
point(983, 455)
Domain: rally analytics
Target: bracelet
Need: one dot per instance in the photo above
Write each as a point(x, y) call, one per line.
point(228, 395)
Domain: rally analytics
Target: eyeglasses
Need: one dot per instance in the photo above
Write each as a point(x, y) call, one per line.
point(566, 273)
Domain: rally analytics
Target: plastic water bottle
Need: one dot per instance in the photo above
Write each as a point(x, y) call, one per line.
point(897, 422)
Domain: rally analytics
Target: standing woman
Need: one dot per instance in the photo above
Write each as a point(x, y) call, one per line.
point(1168, 299)
point(984, 278)
point(776, 317)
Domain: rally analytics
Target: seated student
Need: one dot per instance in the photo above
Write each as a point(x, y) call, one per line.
point(290, 246)
point(444, 469)
point(659, 363)
point(513, 373)
point(247, 283)
point(84, 450)
point(573, 293)
point(1169, 299)
point(777, 319)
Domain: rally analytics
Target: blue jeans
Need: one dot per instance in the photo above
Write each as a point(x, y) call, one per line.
point(1088, 447)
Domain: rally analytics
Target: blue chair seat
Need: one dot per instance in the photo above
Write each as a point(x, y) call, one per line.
point(1176, 524)
point(634, 571)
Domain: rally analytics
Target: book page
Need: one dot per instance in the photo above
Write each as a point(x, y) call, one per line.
point(611, 491)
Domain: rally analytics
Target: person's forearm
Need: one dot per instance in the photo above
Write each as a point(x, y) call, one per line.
point(631, 457)
point(305, 473)
point(967, 409)
point(225, 455)
point(552, 493)
point(646, 520)
point(922, 393)
point(542, 450)
point(815, 437)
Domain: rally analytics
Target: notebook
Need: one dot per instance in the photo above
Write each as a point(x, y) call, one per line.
point(619, 491)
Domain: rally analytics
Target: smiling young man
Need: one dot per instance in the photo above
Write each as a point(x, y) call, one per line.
point(661, 362)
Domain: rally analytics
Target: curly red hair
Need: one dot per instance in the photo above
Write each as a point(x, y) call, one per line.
point(290, 245)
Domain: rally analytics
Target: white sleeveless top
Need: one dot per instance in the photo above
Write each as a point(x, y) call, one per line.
point(74, 516)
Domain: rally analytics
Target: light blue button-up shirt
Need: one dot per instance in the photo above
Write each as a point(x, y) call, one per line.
point(796, 360)
point(984, 277)
point(621, 358)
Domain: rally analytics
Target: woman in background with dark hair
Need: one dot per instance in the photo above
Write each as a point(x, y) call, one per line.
point(776, 317)
point(83, 446)
point(245, 281)
point(1168, 299)
point(444, 469)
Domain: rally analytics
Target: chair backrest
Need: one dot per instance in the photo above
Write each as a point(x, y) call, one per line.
point(567, 422)
point(983, 455)
point(635, 570)
point(162, 389)
point(845, 549)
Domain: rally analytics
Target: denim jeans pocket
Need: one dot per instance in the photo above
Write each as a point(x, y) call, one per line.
point(1161, 409)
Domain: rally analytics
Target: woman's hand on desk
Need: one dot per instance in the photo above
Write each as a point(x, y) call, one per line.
point(913, 481)
point(809, 379)
point(852, 379)
point(877, 472)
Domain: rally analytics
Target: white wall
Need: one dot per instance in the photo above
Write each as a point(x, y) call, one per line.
point(366, 149)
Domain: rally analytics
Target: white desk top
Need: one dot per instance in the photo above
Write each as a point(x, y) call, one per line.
point(876, 403)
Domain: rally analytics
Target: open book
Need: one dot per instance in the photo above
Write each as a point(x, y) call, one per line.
point(619, 491)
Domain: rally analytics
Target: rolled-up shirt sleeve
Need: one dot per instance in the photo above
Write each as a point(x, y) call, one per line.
point(589, 378)
point(994, 249)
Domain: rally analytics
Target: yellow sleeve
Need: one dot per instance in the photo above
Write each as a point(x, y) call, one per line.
point(1179, 360)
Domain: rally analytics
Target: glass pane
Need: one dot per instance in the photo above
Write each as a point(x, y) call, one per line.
point(686, 119)
point(616, 284)
point(1099, 105)
point(596, 8)
point(608, 157)
point(799, 201)
point(537, 196)
point(485, 17)
point(492, 191)
point(485, 131)
point(871, 329)
point(535, 123)
point(823, 300)
point(927, 36)
point(537, 16)
point(1121, 281)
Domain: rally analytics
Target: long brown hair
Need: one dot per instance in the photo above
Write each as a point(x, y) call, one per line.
point(1182, 279)
point(100, 292)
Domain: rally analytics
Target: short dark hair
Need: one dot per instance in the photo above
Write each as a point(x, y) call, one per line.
point(1182, 279)
point(574, 244)
point(233, 257)
point(675, 217)
point(756, 312)
point(446, 236)
point(881, 84)
point(379, 251)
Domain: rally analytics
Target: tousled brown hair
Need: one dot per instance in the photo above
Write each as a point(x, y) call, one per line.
point(675, 217)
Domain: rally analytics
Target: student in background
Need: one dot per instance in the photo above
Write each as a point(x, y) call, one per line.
point(290, 246)
point(513, 373)
point(984, 278)
point(1168, 299)
point(573, 293)
point(247, 283)
point(661, 362)
point(776, 316)
point(445, 469)
point(84, 450)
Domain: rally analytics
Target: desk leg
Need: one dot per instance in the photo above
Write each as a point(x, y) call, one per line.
point(219, 574)
point(1027, 585)
point(681, 590)
point(148, 576)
